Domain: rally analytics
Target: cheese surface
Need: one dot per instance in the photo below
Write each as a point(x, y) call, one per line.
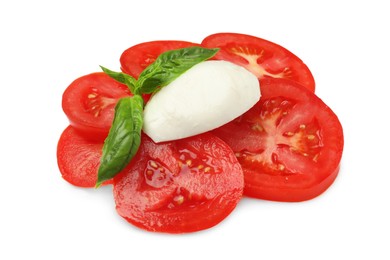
point(207, 96)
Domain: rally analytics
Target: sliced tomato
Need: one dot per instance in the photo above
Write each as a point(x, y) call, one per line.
point(263, 58)
point(136, 58)
point(78, 158)
point(179, 186)
point(89, 103)
point(289, 144)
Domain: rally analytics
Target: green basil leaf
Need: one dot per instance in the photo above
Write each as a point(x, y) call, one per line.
point(124, 138)
point(123, 78)
point(170, 65)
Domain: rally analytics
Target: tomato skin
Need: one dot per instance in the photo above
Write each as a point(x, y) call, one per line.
point(263, 58)
point(276, 193)
point(136, 58)
point(78, 158)
point(289, 144)
point(180, 186)
point(89, 103)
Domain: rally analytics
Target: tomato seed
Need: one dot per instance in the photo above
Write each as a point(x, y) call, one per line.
point(179, 199)
point(153, 164)
point(189, 162)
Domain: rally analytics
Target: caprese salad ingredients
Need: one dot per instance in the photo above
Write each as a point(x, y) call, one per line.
point(180, 186)
point(286, 147)
point(263, 58)
point(124, 136)
point(207, 96)
point(289, 144)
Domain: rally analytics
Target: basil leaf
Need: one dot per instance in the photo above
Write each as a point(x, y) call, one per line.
point(170, 65)
point(124, 138)
point(123, 78)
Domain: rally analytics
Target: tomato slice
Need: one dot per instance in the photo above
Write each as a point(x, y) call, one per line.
point(263, 58)
point(78, 158)
point(136, 58)
point(180, 186)
point(289, 144)
point(89, 103)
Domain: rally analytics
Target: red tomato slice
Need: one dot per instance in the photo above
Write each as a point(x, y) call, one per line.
point(263, 58)
point(136, 58)
point(78, 158)
point(289, 144)
point(179, 186)
point(89, 103)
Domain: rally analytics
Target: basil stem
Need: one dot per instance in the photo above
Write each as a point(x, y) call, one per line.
point(170, 65)
point(123, 78)
point(124, 138)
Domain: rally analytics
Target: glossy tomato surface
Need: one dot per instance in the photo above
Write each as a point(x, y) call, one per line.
point(179, 186)
point(263, 58)
point(78, 158)
point(89, 103)
point(289, 144)
point(136, 58)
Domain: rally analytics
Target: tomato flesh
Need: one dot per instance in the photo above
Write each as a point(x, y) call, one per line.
point(78, 158)
point(179, 186)
point(289, 144)
point(89, 103)
point(136, 58)
point(263, 58)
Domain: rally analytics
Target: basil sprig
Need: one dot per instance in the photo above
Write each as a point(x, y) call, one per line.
point(124, 138)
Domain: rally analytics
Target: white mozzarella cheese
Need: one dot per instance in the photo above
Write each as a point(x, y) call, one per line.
point(207, 96)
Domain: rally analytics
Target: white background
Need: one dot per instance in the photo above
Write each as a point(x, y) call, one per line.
point(45, 45)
